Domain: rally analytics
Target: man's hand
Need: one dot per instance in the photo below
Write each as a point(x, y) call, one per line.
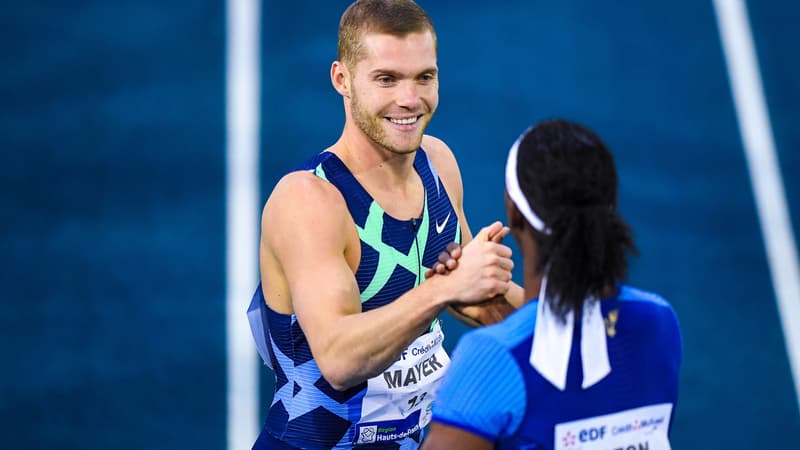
point(492, 310)
point(448, 259)
point(482, 271)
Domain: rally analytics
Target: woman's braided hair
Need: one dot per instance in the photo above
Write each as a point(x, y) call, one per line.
point(568, 176)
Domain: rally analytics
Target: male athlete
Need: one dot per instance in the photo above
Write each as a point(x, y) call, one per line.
point(349, 315)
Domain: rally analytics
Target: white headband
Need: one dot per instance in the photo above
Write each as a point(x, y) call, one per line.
point(514, 191)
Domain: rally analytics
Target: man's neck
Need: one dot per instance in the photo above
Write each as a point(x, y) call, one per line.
point(373, 164)
point(390, 178)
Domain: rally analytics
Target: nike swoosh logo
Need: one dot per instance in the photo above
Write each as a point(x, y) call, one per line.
point(440, 228)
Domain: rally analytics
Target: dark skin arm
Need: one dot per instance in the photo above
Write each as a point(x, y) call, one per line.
point(445, 437)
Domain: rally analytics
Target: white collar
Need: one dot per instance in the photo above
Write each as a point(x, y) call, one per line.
point(552, 343)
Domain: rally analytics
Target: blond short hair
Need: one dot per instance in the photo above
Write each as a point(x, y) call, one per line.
point(395, 17)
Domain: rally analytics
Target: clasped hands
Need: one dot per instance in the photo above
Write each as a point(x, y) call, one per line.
point(493, 307)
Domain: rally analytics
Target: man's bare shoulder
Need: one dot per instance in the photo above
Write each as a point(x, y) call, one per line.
point(302, 185)
point(444, 160)
point(437, 149)
point(301, 198)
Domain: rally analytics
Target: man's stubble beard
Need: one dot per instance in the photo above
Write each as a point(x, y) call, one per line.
point(372, 127)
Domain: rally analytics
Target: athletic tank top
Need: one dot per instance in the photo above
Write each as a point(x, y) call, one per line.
point(389, 410)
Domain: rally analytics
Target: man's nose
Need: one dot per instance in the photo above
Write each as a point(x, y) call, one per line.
point(408, 95)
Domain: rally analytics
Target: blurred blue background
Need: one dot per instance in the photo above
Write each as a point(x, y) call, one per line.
point(112, 126)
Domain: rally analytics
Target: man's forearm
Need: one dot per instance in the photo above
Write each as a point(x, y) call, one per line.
point(360, 346)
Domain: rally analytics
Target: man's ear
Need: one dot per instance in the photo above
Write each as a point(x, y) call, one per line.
point(340, 78)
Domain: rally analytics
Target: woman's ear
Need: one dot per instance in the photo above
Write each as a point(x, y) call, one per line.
point(515, 219)
point(340, 78)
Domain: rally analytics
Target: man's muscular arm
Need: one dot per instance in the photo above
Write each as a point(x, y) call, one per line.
point(308, 232)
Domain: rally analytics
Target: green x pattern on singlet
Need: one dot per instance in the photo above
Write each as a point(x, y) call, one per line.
point(389, 257)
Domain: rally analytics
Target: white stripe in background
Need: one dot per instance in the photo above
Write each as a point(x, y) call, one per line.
point(242, 78)
point(751, 110)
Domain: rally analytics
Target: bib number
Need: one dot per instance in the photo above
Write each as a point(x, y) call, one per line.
point(398, 401)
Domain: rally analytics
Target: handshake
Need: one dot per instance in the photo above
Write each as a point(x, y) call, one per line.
point(479, 275)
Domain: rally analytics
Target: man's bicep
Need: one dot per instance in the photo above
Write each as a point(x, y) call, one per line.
point(308, 232)
point(323, 290)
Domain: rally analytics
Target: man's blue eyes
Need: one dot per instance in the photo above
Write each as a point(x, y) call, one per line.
point(389, 80)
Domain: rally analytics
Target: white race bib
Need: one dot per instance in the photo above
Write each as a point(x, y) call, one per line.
point(638, 429)
point(398, 401)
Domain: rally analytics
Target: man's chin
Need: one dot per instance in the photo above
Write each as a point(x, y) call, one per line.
point(407, 146)
point(404, 150)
